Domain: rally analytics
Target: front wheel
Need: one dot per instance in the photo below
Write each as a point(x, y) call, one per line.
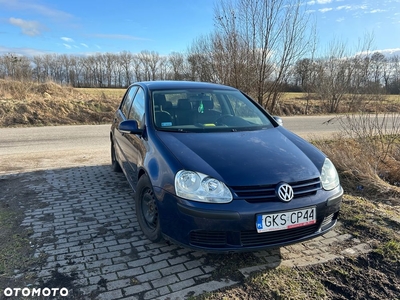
point(147, 210)
point(114, 163)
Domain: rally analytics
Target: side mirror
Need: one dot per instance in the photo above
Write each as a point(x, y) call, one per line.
point(278, 120)
point(129, 127)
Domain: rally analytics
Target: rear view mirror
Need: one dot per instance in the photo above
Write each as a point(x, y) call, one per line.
point(129, 127)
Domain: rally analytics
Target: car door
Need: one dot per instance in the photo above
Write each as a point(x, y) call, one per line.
point(122, 115)
point(132, 144)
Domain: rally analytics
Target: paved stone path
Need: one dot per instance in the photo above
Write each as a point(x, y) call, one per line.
point(85, 226)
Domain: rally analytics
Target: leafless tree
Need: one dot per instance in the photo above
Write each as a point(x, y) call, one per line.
point(394, 77)
point(75, 74)
point(149, 61)
point(126, 60)
point(275, 34)
point(177, 63)
point(340, 75)
point(37, 68)
point(15, 67)
point(304, 74)
point(163, 68)
point(333, 74)
point(200, 62)
point(377, 65)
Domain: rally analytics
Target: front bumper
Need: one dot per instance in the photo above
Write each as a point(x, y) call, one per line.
point(232, 227)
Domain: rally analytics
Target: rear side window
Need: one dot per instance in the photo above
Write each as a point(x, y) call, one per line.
point(137, 110)
point(127, 102)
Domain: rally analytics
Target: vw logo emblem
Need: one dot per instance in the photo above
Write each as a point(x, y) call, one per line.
point(284, 192)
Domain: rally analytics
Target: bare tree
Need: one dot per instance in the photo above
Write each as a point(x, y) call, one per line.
point(75, 73)
point(333, 73)
point(377, 65)
point(137, 69)
point(145, 61)
point(340, 75)
point(177, 63)
point(275, 34)
point(109, 66)
point(126, 59)
point(163, 68)
point(15, 67)
point(303, 73)
point(37, 69)
point(149, 61)
point(394, 79)
point(200, 62)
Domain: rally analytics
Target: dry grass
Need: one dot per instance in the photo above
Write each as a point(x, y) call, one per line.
point(361, 171)
point(27, 104)
point(101, 93)
point(303, 103)
point(303, 97)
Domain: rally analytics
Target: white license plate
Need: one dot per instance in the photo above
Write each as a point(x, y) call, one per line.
point(286, 220)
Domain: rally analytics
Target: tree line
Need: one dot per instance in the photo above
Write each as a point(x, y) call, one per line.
point(263, 47)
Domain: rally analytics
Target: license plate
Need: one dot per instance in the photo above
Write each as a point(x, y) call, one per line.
point(286, 220)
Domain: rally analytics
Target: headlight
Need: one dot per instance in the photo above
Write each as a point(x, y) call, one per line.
point(200, 187)
point(329, 175)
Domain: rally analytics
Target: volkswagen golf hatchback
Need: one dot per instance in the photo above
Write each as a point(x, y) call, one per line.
point(211, 169)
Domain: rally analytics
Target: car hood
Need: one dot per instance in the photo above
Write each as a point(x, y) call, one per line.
point(246, 158)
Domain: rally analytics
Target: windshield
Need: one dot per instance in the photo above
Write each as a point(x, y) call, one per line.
point(206, 110)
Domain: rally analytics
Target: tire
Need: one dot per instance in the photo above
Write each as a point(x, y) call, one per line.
point(114, 163)
point(147, 210)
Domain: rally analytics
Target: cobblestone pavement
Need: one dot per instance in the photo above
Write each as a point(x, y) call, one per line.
point(86, 229)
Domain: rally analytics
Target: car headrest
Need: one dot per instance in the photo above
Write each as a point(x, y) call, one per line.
point(159, 99)
point(184, 104)
point(208, 104)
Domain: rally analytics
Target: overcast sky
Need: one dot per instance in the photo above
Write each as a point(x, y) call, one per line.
point(30, 27)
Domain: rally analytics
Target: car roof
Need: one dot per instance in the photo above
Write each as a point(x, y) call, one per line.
point(170, 84)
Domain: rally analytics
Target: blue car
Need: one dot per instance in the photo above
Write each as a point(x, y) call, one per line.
point(210, 169)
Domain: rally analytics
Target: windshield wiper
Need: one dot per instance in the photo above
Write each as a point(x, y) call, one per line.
point(172, 129)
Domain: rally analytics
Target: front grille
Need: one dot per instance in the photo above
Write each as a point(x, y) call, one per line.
point(208, 238)
point(253, 238)
point(265, 193)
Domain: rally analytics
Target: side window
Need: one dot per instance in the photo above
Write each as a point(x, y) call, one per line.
point(126, 104)
point(137, 110)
